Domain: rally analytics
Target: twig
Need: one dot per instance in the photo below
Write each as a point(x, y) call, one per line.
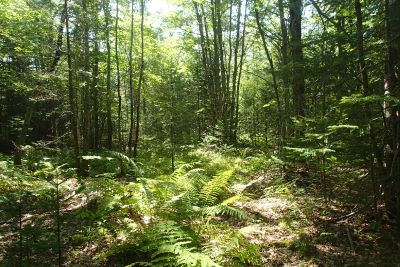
point(350, 240)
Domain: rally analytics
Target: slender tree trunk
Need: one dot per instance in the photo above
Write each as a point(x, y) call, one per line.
point(58, 52)
point(118, 80)
point(172, 126)
point(139, 89)
point(390, 166)
point(285, 63)
point(131, 128)
point(282, 132)
point(58, 219)
point(71, 93)
point(106, 10)
point(235, 132)
point(298, 84)
point(86, 91)
point(221, 52)
point(96, 136)
point(234, 97)
point(270, 60)
point(213, 99)
point(216, 64)
point(20, 234)
point(198, 114)
point(24, 132)
point(229, 63)
point(206, 60)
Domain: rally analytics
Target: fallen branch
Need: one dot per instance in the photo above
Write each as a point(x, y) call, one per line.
point(351, 214)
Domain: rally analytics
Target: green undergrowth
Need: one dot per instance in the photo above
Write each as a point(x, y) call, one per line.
point(130, 213)
point(141, 213)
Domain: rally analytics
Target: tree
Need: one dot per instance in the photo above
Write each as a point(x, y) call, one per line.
point(107, 15)
point(71, 92)
point(119, 126)
point(297, 57)
point(139, 88)
point(131, 128)
point(391, 167)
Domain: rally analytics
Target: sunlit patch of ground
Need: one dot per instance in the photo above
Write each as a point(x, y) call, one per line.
point(276, 227)
point(270, 209)
point(297, 229)
point(262, 233)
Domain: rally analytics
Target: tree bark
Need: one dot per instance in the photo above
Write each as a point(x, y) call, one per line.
point(284, 63)
point(298, 84)
point(71, 93)
point(242, 53)
point(95, 80)
point(234, 97)
point(139, 89)
point(106, 10)
point(86, 90)
point(391, 168)
point(131, 128)
point(118, 80)
point(95, 100)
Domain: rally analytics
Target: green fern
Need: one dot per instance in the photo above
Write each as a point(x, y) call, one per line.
point(172, 245)
point(215, 188)
point(226, 210)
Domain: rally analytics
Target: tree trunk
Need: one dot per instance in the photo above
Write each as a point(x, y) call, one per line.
point(366, 91)
point(118, 80)
point(391, 168)
point(282, 132)
point(270, 60)
point(207, 61)
point(95, 94)
point(86, 90)
point(234, 97)
point(131, 128)
point(235, 131)
point(106, 9)
point(285, 63)
point(298, 84)
point(139, 89)
point(71, 93)
point(24, 132)
point(58, 52)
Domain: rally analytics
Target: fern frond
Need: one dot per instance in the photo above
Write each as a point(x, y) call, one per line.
point(125, 158)
point(171, 245)
point(215, 188)
point(223, 209)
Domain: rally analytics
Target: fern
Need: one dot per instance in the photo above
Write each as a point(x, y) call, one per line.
point(171, 245)
point(215, 188)
point(223, 209)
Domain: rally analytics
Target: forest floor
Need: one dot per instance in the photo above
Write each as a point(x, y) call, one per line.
point(294, 226)
point(290, 223)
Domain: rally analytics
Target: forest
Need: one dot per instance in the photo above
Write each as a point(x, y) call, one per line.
point(199, 133)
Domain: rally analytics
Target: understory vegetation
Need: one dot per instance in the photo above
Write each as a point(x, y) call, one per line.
point(221, 206)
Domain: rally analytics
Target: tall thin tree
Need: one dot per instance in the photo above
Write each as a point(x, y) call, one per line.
point(118, 79)
point(107, 15)
point(131, 128)
point(140, 82)
point(71, 92)
point(298, 84)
